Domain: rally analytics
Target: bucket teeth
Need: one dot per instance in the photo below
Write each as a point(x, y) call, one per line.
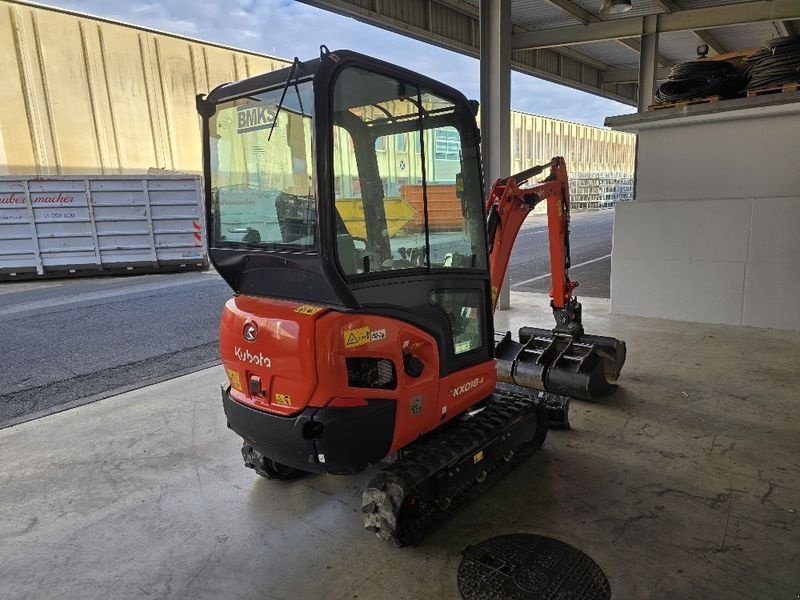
point(610, 349)
point(579, 367)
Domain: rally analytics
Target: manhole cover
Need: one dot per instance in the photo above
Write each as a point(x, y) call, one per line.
point(529, 567)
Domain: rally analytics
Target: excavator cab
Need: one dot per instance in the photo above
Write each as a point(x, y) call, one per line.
point(354, 288)
point(321, 179)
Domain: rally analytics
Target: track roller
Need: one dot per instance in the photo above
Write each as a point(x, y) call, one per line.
point(439, 474)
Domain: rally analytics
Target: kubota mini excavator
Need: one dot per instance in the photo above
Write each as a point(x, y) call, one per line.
point(345, 209)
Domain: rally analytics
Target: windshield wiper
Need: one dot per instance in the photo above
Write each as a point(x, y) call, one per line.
point(295, 66)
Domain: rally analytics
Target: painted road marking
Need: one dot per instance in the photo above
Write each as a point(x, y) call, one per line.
point(532, 279)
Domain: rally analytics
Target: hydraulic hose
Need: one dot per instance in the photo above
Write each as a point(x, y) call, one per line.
point(700, 78)
point(775, 63)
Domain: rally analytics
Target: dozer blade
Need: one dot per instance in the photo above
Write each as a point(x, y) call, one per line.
point(610, 349)
point(578, 367)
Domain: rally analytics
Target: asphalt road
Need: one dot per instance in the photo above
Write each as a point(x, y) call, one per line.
point(590, 240)
point(66, 341)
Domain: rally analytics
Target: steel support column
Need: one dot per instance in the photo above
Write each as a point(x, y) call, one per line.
point(495, 22)
point(648, 61)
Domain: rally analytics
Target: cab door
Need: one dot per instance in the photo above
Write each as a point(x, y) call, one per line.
point(407, 201)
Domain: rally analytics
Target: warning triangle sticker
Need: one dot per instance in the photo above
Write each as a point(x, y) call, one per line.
point(352, 340)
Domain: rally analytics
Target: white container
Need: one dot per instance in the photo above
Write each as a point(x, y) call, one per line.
point(68, 224)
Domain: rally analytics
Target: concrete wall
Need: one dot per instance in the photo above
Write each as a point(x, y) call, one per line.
point(714, 233)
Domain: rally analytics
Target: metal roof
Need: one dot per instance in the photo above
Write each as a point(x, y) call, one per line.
point(570, 42)
point(638, 9)
point(610, 53)
point(678, 47)
point(539, 14)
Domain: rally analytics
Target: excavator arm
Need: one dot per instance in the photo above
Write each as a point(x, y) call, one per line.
point(508, 207)
point(563, 360)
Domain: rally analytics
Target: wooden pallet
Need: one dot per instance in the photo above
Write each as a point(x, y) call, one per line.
point(682, 103)
point(778, 89)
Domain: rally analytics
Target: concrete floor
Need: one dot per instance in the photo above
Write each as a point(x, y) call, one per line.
point(683, 484)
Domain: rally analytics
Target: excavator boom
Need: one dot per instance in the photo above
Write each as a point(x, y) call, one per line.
point(565, 360)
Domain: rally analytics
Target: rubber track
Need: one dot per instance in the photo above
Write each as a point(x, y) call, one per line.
point(393, 510)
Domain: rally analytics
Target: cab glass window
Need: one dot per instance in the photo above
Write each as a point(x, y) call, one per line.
point(462, 308)
point(261, 169)
point(418, 201)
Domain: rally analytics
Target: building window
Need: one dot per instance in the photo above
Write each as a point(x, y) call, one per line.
point(401, 142)
point(356, 186)
point(528, 145)
point(538, 145)
point(517, 144)
point(446, 144)
point(380, 144)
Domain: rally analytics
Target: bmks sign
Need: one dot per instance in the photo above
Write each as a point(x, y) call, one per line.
point(253, 117)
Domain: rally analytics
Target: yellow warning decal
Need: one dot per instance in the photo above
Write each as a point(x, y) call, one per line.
point(362, 335)
point(478, 457)
point(356, 337)
point(233, 376)
point(494, 293)
point(284, 399)
point(307, 309)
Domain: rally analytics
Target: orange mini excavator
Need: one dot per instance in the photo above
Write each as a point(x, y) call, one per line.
point(345, 209)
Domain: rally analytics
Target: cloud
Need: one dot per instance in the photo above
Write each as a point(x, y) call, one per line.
point(288, 29)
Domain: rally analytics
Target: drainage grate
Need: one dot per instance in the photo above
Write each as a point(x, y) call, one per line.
point(529, 567)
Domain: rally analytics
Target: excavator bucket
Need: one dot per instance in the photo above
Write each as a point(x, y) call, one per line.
point(610, 349)
point(580, 367)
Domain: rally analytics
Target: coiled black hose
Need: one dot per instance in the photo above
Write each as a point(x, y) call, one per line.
point(775, 63)
point(699, 78)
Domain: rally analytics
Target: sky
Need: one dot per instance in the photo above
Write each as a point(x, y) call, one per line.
point(285, 28)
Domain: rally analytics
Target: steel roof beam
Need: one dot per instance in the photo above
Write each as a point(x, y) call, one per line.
point(704, 36)
point(684, 20)
point(585, 17)
point(708, 38)
point(628, 76)
point(784, 28)
point(520, 63)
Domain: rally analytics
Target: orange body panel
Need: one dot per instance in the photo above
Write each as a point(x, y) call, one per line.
point(300, 352)
point(282, 354)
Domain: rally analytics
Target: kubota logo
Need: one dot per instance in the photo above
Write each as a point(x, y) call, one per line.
point(254, 359)
point(250, 332)
point(465, 387)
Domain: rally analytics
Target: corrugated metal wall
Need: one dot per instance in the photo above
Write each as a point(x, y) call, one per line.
point(87, 96)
